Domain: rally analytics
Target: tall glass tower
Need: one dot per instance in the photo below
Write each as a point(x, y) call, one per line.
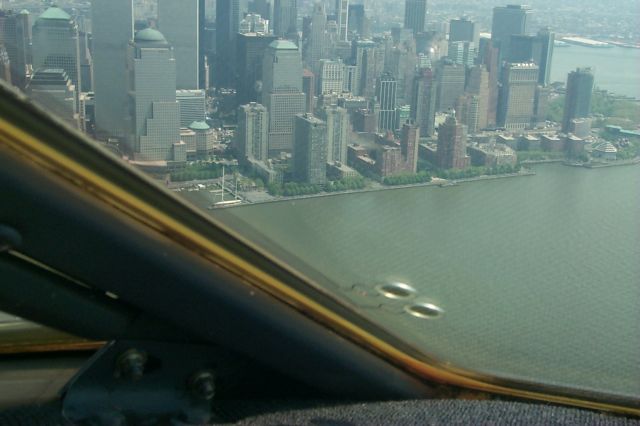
point(56, 44)
point(112, 32)
point(415, 15)
point(152, 78)
point(178, 21)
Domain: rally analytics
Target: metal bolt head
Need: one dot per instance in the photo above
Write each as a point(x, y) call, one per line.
point(202, 385)
point(130, 365)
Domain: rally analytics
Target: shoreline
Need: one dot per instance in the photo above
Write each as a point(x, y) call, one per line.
point(440, 183)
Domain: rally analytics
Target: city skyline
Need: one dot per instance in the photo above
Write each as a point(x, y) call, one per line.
point(362, 87)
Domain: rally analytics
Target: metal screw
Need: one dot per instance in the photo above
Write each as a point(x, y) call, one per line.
point(130, 364)
point(202, 385)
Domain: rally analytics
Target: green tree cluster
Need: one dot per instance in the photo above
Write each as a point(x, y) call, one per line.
point(472, 172)
point(407, 179)
point(290, 189)
point(346, 184)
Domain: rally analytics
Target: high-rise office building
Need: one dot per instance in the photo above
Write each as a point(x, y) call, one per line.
point(318, 35)
point(546, 38)
point(365, 58)
point(415, 15)
point(178, 21)
point(152, 84)
point(338, 130)
point(358, 22)
point(478, 85)
point(507, 21)
point(452, 145)
point(342, 18)
point(468, 112)
point(577, 101)
point(533, 48)
point(285, 18)
point(409, 140)
point(517, 95)
point(423, 102)
point(53, 89)
point(282, 92)
point(386, 92)
point(112, 27)
point(86, 63)
point(463, 29)
point(228, 17)
point(192, 104)
point(490, 60)
point(451, 81)
point(331, 77)
point(309, 90)
point(462, 52)
point(251, 49)
point(56, 43)
point(15, 35)
point(310, 150)
point(252, 134)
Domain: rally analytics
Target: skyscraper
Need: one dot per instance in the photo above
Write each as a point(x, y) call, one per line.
point(386, 91)
point(285, 18)
point(53, 89)
point(318, 30)
point(462, 52)
point(507, 21)
point(452, 145)
point(152, 84)
point(282, 92)
point(309, 90)
point(423, 103)
point(56, 44)
point(490, 60)
point(546, 38)
point(409, 146)
point(178, 21)
point(251, 50)
point(533, 48)
point(112, 27)
point(577, 101)
point(463, 29)
point(517, 95)
point(468, 111)
point(228, 17)
point(252, 134)
point(310, 150)
point(478, 85)
point(15, 35)
point(451, 81)
point(342, 18)
point(365, 62)
point(192, 104)
point(338, 129)
point(358, 21)
point(415, 15)
point(331, 76)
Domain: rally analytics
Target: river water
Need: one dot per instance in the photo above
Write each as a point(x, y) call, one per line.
point(616, 68)
point(539, 276)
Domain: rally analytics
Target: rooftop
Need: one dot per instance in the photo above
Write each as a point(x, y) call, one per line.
point(199, 125)
point(283, 45)
point(150, 35)
point(54, 12)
